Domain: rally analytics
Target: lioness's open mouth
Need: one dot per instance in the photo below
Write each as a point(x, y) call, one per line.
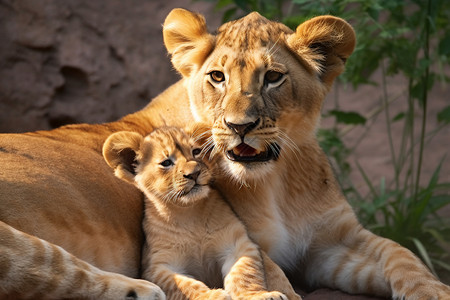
point(246, 153)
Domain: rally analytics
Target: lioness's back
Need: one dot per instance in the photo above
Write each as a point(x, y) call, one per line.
point(51, 188)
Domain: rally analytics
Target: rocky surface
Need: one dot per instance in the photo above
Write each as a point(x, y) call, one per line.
point(81, 61)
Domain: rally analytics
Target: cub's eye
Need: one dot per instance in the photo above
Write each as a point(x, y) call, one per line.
point(166, 163)
point(196, 152)
point(217, 76)
point(272, 77)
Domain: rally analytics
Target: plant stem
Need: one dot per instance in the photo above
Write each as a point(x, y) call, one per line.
point(424, 79)
point(388, 123)
point(403, 156)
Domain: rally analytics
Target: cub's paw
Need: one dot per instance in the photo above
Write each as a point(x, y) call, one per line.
point(217, 294)
point(124, 288)
point(267, 296)
point(145, 290)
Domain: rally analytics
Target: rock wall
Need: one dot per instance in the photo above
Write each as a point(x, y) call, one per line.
point(82, 61)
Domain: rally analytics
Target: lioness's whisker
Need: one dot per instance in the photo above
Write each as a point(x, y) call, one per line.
point(289, 143)
point(198, 137)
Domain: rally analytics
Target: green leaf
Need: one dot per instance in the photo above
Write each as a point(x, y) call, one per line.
point(444, 115)
point(437, 202)
point(442, 264)
point(228, 14)
point(293, 21)
point(367, 180)
point(438, 236)
point(242, 4)
point(222, 3)
point(373, 13)
point(417, 90)
point(351, 118)
point(399, 116)
point(424, 254)
point(435, 177)
point(444, 46)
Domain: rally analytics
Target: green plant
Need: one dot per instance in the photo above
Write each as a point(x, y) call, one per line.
point(409, 38)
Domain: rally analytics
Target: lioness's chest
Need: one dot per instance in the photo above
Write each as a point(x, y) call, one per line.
point(283, 237)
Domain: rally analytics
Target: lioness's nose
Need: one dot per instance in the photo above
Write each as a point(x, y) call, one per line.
point(242, 129)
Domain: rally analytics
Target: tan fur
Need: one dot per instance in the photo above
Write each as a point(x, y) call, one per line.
point(292, 205)
point(194, 240)
point(46, 271)
point(56, 186)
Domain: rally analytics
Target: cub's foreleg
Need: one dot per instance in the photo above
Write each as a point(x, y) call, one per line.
point(181, 287)
point(348, 257)
point(244, 271)
point(31, 268)
point(276, 279)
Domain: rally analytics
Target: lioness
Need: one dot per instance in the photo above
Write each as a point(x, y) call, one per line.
point(260, 86)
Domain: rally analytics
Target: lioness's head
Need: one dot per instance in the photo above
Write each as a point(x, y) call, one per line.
point(166, 164)
point(258, 83)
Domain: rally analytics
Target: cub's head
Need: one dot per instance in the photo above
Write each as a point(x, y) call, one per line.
point(258, 83)
point(166, 164)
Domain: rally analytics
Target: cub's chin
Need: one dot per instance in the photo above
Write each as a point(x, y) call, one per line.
point(195, 194)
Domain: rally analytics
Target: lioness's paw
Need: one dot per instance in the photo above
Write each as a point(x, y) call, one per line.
point(293, 296)
point(432, 291)
point(444, 292)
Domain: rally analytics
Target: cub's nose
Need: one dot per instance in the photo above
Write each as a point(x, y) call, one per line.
point(193, 176)
point(242, 129)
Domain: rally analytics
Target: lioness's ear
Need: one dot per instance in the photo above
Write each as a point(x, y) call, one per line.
point(120, 151)
point(325, 42)
point(187, 40)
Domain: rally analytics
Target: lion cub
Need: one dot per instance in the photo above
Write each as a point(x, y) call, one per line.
point(194, 240)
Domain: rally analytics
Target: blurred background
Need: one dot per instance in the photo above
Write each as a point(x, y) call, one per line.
point(385, 123)
point(82, 61)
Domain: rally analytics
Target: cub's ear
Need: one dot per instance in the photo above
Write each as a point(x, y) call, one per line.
point(120, 151)
point(187, 40)
point(325, 42)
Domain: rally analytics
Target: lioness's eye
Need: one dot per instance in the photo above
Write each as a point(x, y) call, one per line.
point(196, 151)
point(272, 76)
point(217, 76)
point(166, 163)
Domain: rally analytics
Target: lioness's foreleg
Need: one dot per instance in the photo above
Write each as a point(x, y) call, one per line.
point(32, 268)
point(355, 260)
